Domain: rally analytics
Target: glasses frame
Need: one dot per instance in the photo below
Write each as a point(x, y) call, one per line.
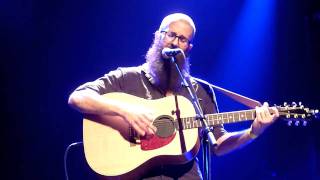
point(181, 38)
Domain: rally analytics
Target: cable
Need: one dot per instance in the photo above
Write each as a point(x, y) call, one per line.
point(66, 155)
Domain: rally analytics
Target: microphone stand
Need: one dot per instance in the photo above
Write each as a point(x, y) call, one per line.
point(207, 135)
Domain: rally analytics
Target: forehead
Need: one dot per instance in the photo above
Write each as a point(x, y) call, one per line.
point(181, 27)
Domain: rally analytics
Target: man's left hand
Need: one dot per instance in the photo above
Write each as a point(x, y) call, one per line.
point(265, 116)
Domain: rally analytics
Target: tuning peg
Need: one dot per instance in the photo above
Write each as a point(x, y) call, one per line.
point(297, 123)
point(295, 116)
point(294, 104)
point(289, 123)
point(303, 116)
point(304, 123)
point(301, 105)
point(285, 104)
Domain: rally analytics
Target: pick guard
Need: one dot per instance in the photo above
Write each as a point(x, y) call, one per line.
point(155, 142)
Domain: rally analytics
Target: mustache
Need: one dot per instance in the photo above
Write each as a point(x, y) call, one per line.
point(156, 61)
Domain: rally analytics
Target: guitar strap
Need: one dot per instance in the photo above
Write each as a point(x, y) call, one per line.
point(235, 96)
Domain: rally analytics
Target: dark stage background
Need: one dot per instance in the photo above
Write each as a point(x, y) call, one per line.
point(267, 50)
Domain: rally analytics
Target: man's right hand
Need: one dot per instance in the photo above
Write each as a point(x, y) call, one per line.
point(140, 119)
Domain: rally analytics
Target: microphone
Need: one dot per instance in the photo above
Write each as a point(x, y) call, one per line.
point(168, 53)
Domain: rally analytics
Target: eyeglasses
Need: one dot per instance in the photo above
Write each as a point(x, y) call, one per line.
point(171, 36)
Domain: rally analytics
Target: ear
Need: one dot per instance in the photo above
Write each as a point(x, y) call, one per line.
point(190, 47)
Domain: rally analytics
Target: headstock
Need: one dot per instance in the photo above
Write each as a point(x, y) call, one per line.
point(297, 114)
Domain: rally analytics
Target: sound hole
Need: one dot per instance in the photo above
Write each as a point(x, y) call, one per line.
point(165, 126)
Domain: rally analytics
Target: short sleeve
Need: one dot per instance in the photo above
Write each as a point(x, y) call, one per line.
point(110, 82)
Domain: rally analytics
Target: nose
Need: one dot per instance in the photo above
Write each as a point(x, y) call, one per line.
point(175, 43)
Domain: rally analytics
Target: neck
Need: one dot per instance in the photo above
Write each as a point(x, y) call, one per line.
point(219, 118)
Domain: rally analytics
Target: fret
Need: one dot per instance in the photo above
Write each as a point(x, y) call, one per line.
point(253, 114)
point(231, 117)
point(220, 118)
point(209, 119)
point(242, 116)
point(212, 122)
point(247, 113)
point(187, 123)
point(225, 117)
point(214, 119)
point(194, 123)
point(236, 117)
point(250, 114)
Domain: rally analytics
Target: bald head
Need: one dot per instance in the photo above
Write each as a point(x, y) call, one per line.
point(176, 17)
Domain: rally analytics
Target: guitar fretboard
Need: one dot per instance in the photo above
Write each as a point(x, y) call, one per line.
point(219, 118)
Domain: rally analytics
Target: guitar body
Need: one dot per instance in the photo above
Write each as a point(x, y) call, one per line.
point(114, 152)
point(111, 153)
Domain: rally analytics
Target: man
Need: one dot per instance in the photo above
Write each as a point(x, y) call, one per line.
point(158, 78)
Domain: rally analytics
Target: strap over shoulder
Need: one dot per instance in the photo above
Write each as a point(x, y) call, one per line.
point(235, 96)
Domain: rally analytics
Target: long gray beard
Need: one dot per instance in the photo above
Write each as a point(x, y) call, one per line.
point(164, 73)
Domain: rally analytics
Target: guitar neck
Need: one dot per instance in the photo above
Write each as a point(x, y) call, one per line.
point(219, 118)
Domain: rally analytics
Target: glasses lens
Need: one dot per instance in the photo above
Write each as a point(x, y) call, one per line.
point(172, 35)
point(183, 40)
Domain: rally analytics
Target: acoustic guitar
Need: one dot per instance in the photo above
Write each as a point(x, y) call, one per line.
point(113, 150)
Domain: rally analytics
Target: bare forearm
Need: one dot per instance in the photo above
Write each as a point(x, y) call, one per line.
point(265, 116)
point(89, 102)
point(232, 141)
point(111, 111)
